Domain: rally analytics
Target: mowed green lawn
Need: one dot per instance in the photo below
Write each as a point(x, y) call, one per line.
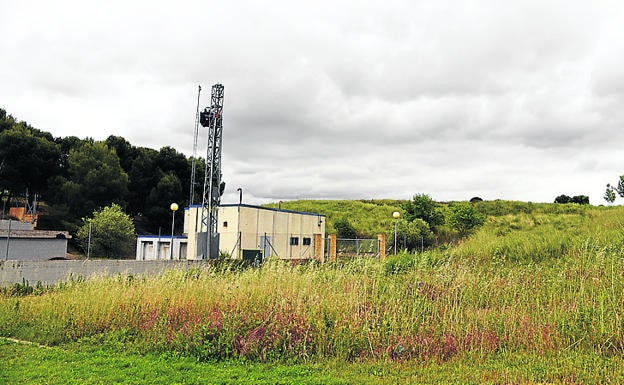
point(74, 364)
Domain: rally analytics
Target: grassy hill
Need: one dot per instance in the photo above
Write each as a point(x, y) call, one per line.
point(372, 217)
point(369, 217)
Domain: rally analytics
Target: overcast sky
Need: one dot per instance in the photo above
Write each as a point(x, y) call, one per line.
point(517, 100)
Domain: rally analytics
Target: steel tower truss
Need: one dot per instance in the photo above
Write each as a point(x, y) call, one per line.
point(212, 118)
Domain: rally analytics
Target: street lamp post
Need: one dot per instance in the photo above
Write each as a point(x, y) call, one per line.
point(396, 216)
point(174, 208)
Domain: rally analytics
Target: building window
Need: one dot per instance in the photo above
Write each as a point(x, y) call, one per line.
point(225, 224)
point(307, 241)
point(294, 241)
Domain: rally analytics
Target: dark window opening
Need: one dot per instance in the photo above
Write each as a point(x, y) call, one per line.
point(307, 241)
point(225, 224)
point(294, 241)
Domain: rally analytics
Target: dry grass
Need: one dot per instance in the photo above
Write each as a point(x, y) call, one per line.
point(548, 290)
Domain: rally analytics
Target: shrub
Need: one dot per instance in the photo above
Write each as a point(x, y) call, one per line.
point(425, 208)
point(413, 235)
point(344, 229)
point(463, 217)
point(563, 199)
point(112, 233)
point(400, 263)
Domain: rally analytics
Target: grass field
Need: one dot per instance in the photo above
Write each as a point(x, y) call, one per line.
point(76, 364)
point(534, 296)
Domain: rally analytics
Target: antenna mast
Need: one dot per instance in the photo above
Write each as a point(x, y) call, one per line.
point(212, 118)
point(194, 161)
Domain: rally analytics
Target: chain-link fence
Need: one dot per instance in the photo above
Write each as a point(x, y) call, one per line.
point(303, 246)
point(357, 248)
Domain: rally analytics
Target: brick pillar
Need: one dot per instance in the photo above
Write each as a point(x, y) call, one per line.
point(332, 247)
point(318, 247)
point(382, 246)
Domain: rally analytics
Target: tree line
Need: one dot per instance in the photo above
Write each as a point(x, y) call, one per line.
point(579, 199)
point(75, 177)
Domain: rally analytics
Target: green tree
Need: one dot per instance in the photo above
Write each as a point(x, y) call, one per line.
point(28, 159)
point(6, 121)
point(425, 208)
point(95, 180)
point(609, 194)
point(620, 187)
point(144, 175)
point(124, 150)
point(67, 144)
point(344, 229)
point(580, 199)
point(463, 217)
point(149, 169)
point(112, 233)
point(563, 199)
point(200, 169)
point(413, 235)
point(170, 160)
point(168, 190)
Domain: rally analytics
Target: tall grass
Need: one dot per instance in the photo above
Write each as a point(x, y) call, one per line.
point(526, 282)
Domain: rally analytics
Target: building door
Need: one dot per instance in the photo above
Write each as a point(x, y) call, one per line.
point(163, 251)
point(148, 250)
point(183, 250)
point(265, 245)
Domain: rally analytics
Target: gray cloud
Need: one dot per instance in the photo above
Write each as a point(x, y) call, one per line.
point(357, 99)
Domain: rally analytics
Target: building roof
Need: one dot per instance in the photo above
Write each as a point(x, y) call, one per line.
point(163, 238)
point(261, 208)
point(35, 234)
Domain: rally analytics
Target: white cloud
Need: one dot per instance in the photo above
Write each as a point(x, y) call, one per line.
point(356, 99)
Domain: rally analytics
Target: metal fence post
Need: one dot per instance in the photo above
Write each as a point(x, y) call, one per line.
point(6, 258)
point(89, 243)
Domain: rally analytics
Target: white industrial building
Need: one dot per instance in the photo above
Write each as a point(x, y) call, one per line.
point(246, 232)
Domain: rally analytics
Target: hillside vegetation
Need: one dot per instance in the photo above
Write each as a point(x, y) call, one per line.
point(368, 217)
point(534, 279)
point(372, 217)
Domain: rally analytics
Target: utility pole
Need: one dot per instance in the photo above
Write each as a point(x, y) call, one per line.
point(194, 159)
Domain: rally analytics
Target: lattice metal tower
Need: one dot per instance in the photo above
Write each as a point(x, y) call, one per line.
point(212, 118)
point(194, 161)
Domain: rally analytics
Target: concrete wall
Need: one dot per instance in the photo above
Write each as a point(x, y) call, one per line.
point(51, 272)
point(33, 248)
point(229, 234)
point(15, 225)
